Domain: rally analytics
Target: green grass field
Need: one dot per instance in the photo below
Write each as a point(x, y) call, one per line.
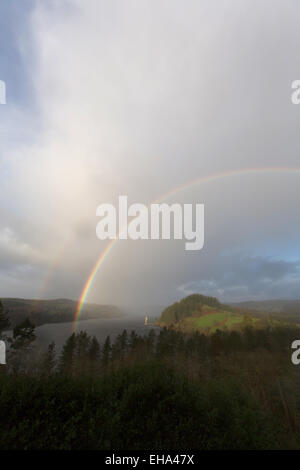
point(218, 320)
point(210, 319)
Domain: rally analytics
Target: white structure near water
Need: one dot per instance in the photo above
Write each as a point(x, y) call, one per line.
point(2, 352)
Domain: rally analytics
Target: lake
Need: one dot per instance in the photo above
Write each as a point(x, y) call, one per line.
point(59, 332)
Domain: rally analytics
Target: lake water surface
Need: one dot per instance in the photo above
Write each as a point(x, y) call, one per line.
point(59, 332)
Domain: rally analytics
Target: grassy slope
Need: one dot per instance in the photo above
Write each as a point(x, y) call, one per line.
point(206, 314)
point(211, 319)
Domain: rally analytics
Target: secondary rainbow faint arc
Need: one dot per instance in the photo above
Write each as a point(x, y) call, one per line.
point(213, 177)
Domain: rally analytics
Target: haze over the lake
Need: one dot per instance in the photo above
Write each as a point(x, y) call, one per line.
point(137, 98)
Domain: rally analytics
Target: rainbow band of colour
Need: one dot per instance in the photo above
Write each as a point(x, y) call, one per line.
point(172, 192)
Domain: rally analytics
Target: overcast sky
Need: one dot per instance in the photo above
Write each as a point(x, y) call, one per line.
point(137, 97)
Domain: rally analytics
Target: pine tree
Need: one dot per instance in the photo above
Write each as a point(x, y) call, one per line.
point(67, 358)
point(124, 342)
point(4, 320)
point(21, 346)
point(150, 341)
point(94, 350)
point(23, 335)
point(48, 362)
point(133, 341)
point(83, 341)
point(94, 356)
point(106, 351)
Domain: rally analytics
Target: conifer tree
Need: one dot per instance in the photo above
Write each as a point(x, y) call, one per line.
point(133, 341)
point(21, 346)
point(48, 362)
point(106, 351)
point(4, 320)
point(94, 356)
point(67, 358)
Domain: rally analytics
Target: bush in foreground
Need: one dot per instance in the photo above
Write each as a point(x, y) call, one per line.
point(145, 406)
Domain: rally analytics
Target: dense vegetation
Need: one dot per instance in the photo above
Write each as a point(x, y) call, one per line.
point(288, 310)
point(275, 306)
point(142, 406)
point(165, 390)
point(188, 306)
point(200, 313)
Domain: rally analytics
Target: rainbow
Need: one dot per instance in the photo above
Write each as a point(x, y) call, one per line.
point(172, 192)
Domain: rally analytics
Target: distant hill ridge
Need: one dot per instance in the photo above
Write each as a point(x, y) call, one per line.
point(41, 311)
point(282, 309)
point(276, 305)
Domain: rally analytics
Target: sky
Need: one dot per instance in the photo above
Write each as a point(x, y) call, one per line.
point(137, 98)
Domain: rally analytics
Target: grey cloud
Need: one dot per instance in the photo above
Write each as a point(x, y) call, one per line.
point(245, 277)
point(137, 98)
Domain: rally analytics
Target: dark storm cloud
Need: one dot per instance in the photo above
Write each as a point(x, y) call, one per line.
point(241, 277)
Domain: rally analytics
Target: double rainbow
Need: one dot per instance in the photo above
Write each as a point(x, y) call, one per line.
point(172, 192)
